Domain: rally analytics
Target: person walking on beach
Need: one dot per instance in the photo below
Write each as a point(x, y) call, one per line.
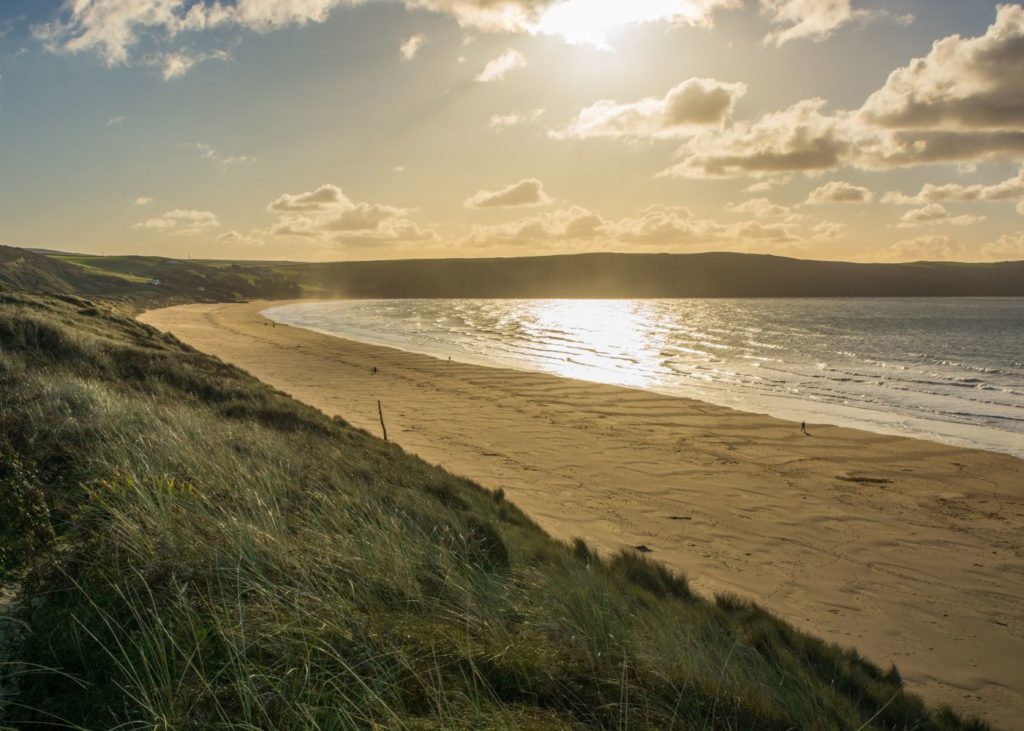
point(803, 429)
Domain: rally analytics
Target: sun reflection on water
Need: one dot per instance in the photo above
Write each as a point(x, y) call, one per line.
point(608, 340)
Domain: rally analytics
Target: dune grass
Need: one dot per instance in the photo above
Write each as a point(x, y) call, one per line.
point(196, 550)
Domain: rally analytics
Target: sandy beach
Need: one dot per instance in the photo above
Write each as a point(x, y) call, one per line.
point(910, 551)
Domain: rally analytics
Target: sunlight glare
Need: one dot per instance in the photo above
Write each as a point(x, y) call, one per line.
point(589, 22)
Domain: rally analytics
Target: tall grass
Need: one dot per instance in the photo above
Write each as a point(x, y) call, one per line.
point(198, 551)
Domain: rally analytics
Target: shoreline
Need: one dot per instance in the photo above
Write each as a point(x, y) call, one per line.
point(778, 406)
point(908, 550)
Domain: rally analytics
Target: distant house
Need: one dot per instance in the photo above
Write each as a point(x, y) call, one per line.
point(154, 282)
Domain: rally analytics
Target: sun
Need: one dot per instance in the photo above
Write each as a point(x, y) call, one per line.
point(590, 21)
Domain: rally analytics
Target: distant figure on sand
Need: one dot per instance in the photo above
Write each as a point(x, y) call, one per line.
point(803, 428)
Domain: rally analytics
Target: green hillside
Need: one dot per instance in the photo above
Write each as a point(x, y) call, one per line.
point(142, 280)
point(187, 548)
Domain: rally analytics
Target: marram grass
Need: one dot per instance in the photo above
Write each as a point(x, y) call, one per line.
point(195, 550)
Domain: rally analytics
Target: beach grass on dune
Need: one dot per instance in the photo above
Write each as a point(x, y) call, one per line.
point(196, 550)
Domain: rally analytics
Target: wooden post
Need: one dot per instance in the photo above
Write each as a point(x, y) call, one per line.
point(380, 411)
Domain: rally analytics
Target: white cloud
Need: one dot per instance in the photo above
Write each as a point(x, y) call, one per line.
point(815, 19)
point(922, 248)
point(587, 21)
point(497, 68)
point(656, 228)
point(112, 28)
point(143, 200)
point(693, 104)
point(760, 208)
point(411, 47)
point(1009, 247)
point(328, 215)
point(513, 119)
point(176, 64)
point(966, 83)
point(962, 102)
point(207, 152)
point(564, 227)
point(1012, 189)
point(935, 214)
point(181, 222)
point(837, 191)
point(801, 138)
point(529, 192)
point(677, 226)
point(763, 185)
point(324, 198)
point(235, 237)
point(576, 21)
point(116, 121)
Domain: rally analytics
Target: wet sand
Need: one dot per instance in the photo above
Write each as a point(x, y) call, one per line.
point(910, 551)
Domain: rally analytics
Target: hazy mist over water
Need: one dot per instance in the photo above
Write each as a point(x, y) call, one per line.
point(950, 370)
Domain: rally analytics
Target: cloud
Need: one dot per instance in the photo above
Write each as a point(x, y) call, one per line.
point(678, 226)
point(576, 21)
point(495, 16)
point(922, 248)
point(328, 215)
point(962, 103)
point(528, 192)
point(801, 138)
point(693, 104)
point(411, 47)
point(1012, 189)
point(838, 191)
point(324, 198)
point(1009, 247)
point(815, 19)
point(587, 21)
point(207, 152)
point(513, 119)
point(143, 200)
point(112, 28)
point(116, 121)
point(565, 226)
point(935, 214)
point(763, 185)
point(181, 222)
point(760, 208)
point(178, 63)
point(235, 237)
point(655, 228)
point(497, 68)
point(115, 29)
point(963, 83)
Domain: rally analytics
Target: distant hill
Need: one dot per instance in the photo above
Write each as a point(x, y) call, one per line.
point(25, 271)
point(145, 280)
point(151, 280)
point(652, 275)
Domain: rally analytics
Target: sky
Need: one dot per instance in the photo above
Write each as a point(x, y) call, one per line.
point(866, 130)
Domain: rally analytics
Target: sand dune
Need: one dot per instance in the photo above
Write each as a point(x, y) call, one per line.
point(911, 551)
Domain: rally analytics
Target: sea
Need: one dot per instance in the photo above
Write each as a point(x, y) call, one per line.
point(949, 370)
